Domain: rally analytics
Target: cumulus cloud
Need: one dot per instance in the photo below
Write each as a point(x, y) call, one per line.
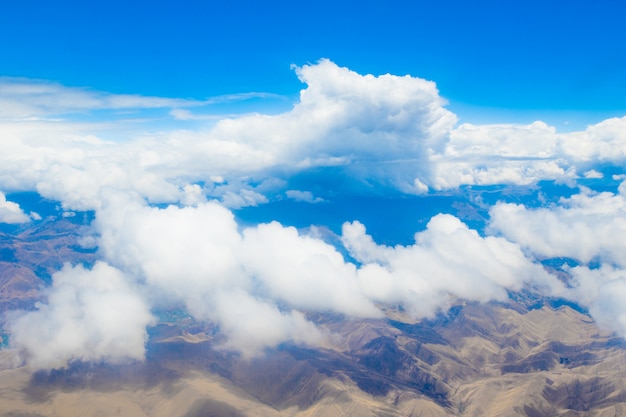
point(536, 140)
point(608, 308)
point(159, 226)
point(198, 256)
point(189, 251)
point(601, 290)
point(602, 142)
point(11, 212)
point(499, 154)
point(89, 315)
point(258, 284)
point(303, 271)
point(525, 154)
point(347, 119)
point(65, 163)
point(585, 226)
point(378, 131)
point(448, 261)
point(251, 324)
point(593, 174)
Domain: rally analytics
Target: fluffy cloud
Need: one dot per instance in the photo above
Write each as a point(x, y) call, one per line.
point(251, 324)
point(63, 162)
point(602, 291)
point(378, 131)
point(198, 256)
point(536, 140)
point(499, 154)
point(258, 284)
point(11, 212)
point(602, 142)
point(303, 272)
point(608, 308)
point(90, 315)
point(347, 119)
point(448, 261)
point(586, 226)
point(190, 251)
point(158, 225)
point(524, 154)
point(590, 228)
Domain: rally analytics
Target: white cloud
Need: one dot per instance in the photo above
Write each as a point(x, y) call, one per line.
point(252, 325)
point(452, 174)
point(588, 227)
point(524, 154)
point(448, 261)
point(184, 114)
point(197, 255)
point(303, 271)
point(593, 174)
point(90, 315)
point(353, 120)
point(536, 140)
point(380, 131)
point(602, 291)
point(304, 196)
point(583, 227)
point(604, 141)
point(64, 163)
point(257, 284)
point(608, 309)
point(11, 212)
point(25, 98)
point(193, 195)
point(342, 118)
point(499, 154)
point(190, 252)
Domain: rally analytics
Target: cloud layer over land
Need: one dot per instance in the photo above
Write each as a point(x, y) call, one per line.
point(163, 191)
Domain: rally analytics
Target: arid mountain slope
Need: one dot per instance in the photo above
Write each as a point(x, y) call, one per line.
point(480, 360)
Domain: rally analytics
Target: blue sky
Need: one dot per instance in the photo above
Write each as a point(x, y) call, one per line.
point(499, 60)
point(260, 162)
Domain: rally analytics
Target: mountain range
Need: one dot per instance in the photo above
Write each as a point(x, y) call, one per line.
point(527, 356)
